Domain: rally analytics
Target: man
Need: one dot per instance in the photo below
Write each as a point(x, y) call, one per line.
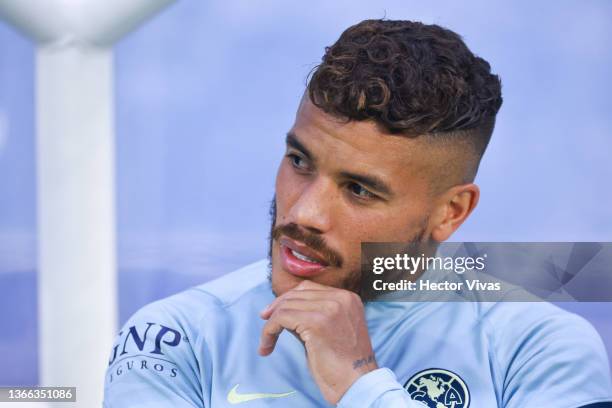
point(385, 147)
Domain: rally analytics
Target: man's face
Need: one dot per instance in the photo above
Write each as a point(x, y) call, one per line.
point(341, 184)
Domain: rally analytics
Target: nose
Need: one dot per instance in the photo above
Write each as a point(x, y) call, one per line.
point(312, 209)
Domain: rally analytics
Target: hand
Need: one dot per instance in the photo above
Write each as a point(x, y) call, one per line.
point(331, 324)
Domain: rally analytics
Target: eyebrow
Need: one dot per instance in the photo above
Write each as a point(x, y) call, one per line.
point(369, 181)
point(292, 141)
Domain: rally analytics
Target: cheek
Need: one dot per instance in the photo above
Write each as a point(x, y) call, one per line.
point(281, 187)
point(383, 225)
point(287, 188)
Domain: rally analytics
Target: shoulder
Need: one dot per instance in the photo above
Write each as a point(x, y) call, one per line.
point(158, 356)
point(186, 309)
point(511, 322)
point(241, 283)
point(544, 352)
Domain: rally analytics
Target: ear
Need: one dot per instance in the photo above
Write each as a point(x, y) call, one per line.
point(454, 206)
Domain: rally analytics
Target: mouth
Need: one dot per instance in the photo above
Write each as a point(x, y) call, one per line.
point(300, 260)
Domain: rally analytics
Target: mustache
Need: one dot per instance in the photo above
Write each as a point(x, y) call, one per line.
point(314, 241)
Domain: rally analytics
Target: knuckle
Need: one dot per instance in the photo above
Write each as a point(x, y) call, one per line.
point(334, 306)
point(270, 330)
point(319, 318)
point(353, 298)
point(346, 296)
point(282, 311)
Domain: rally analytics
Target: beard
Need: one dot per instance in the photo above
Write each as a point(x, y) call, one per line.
point(357, 280)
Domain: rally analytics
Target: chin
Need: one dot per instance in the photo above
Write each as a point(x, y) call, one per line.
point(280, 280)
point(283, 281)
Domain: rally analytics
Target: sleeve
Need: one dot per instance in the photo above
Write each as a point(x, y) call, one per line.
point(152, 364)
point(560, 362)
point(377, 389)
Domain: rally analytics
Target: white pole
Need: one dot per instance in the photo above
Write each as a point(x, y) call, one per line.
point(76, 219)
point(75, 181)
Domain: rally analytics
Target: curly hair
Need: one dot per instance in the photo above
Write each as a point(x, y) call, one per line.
point(410, 78)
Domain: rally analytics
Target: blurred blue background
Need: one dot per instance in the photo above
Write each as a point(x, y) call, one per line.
point(206, 91)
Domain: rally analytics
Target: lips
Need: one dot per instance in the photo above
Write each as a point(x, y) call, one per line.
point(300, 260)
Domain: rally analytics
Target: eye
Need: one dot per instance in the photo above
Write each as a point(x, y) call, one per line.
point(359, 191)
point(297, 161)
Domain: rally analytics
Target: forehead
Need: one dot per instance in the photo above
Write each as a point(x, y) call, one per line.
point(362, 146)
point(312, 124)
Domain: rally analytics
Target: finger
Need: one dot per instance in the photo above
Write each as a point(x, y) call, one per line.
point(284, 318)
point(310, 285)
point(292, 294)
point(269, 336)
point(309, 305)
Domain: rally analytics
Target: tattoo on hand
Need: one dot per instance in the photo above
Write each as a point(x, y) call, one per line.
point(363, 361)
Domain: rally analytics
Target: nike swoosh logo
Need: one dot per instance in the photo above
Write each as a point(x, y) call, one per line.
point(234, 398)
